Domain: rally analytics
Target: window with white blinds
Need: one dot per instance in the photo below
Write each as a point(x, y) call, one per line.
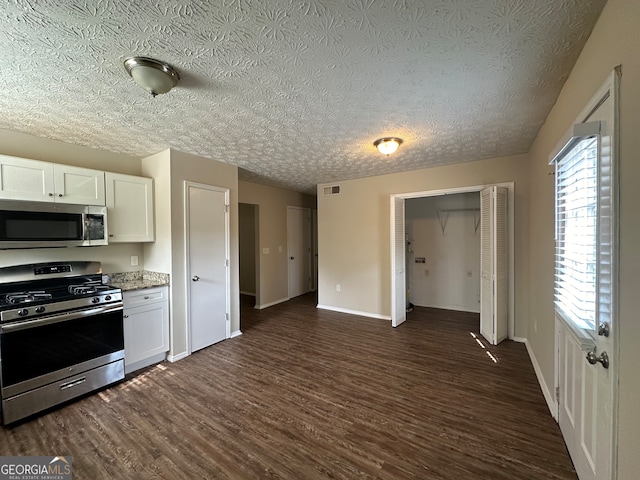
point(578, 217)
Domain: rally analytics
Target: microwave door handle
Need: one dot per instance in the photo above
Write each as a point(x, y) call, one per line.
point(85, 227)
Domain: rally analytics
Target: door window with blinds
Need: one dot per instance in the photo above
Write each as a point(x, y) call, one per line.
point(582, 224)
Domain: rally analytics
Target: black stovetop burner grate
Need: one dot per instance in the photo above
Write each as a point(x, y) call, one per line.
point(27, 297)
point(88, 288)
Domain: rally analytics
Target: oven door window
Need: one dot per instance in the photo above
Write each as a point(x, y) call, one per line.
point(30, 226)
point(36, 351)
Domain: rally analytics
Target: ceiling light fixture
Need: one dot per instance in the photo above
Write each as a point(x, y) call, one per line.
point(387, 145)
point(153, 75)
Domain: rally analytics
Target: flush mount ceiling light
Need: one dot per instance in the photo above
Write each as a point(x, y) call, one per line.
point(387, 145)
point(153, 75)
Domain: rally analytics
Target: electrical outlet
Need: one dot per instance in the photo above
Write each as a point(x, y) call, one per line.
point(337, 287)
point(134, 260)
point(426, 272)
point(469, 273)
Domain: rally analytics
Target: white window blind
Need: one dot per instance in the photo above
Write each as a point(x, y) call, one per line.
point(578, 218)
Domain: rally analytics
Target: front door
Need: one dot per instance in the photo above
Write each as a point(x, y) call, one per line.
point(586, 404)
point(207, 245)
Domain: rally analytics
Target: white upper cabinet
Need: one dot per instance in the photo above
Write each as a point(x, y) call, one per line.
point(78, 185)
point(23, 179)
point(130, 208)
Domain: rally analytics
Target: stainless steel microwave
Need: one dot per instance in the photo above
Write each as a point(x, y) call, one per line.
point(26, 224)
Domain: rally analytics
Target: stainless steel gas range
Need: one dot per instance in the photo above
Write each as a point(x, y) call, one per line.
point(61, 335)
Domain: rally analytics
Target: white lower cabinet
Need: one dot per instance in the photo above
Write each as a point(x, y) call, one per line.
point(146, 327)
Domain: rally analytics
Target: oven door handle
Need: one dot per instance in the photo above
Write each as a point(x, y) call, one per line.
point(62, 317)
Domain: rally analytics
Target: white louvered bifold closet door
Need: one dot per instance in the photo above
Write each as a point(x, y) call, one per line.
point(398, 274)
point(494, 264)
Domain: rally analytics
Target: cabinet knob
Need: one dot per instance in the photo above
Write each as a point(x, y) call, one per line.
point(146, 297)
point(195, 278)
point(51, 194)
point(126, 316)
point(59, 194)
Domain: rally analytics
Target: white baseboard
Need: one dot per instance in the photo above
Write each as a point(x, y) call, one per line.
point(551, 402)
point(354, 312)
point(235, 334)
point(271, 304)
point(448, 307)
point(519, 340)
point(175, 358)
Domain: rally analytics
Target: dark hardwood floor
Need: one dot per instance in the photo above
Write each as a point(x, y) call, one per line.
point(312, 394)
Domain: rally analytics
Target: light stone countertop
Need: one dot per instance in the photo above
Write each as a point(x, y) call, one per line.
point(137, 280)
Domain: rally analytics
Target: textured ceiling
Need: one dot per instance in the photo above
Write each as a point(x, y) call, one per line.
point(294, 92)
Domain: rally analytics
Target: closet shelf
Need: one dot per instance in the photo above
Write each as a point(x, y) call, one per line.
point(443, 216)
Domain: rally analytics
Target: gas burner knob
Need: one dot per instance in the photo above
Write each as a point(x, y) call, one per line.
point(40, 309)
point(95, 299)
point(107, 298)
point(23, 312)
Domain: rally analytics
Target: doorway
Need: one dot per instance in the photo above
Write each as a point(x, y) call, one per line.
point(207, 262)
point(248, 228)
point(398, 249)
point(299, 250)
point(443, 252)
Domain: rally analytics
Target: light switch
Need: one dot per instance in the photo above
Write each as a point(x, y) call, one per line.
point(265, 250)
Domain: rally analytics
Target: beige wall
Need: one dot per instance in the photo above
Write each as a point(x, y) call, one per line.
point(354, 232)
point(38, 148)
point(157, 255)
point(173, 168)
point(614, 41)
point(273, 283)
point(115, 257)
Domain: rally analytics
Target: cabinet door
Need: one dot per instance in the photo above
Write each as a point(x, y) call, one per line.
point(78, 185)
point(130, 204)
point(146, 332)
point(22, 179)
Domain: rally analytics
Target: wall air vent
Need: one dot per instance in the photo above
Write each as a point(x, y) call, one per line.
point(332, 190)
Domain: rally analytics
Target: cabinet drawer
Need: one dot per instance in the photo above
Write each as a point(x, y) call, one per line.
point(145, 296)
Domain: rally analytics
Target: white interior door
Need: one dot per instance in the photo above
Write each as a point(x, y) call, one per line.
point(494, 265)
point(299, 250)
point(207, 242)
point(586, 406)
point(398, 273)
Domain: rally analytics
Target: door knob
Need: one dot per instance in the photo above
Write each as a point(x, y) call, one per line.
point(293, 258)
point(603, 359)
point(195, 278)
